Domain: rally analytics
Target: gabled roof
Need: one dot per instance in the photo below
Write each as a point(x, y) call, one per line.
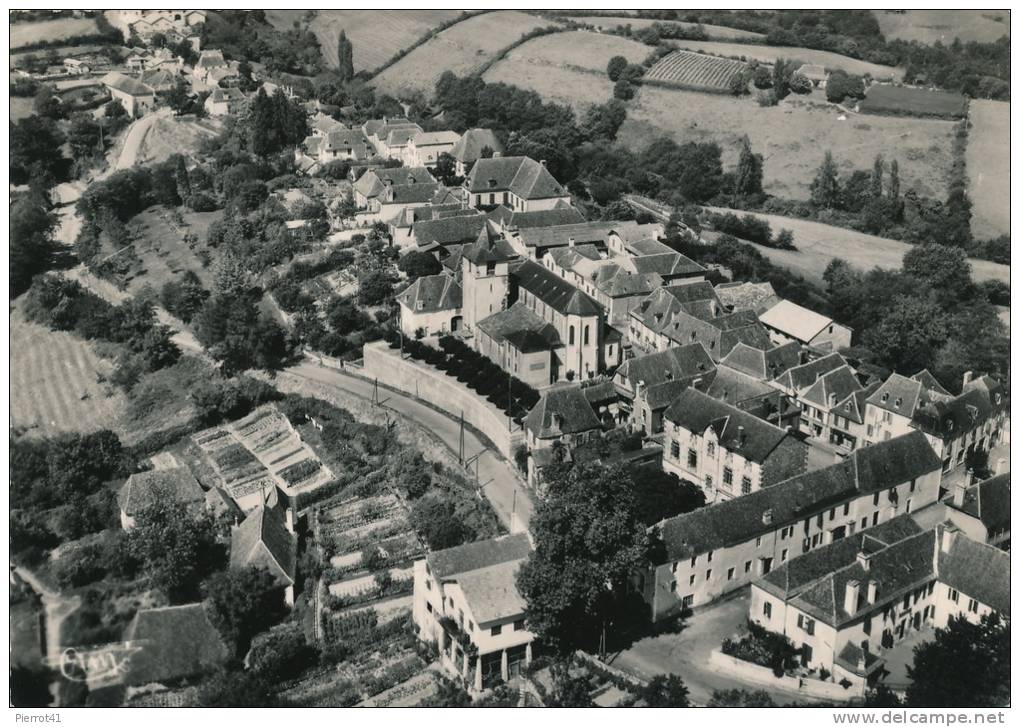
point(263, 540)
point(795, 320)
point(758, 297)
point(833, 388)
point(554, 291)
point(763, 364)
point(644, 245)
point(487, 249)
point(210, 59)
point(667, 265)
point(146, 488)
point(866, 470)
point(518, 319)
point(125, 84)
point(399, 135)
point(678, 363)
point(372, 126)
point(737, 431)
point(562, 215)
point(930, 383)
point(734, 387)
point(491, 593)
point(469, 147)
point(976, 570)
point(989, 502)
point(561, 410)
point(800, 377)
point(948, 419)
point(176, 642)
point(220, 95)
point(561, 235)
point(448, 230)
point(451, 562)
point(412, 193)
point(432, 293)
point(435, 138)
point(373, 182)
point(353, 140)
point(523, 176)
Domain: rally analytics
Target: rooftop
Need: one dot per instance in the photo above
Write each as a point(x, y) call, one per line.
point(989, 502)
point(263, 540)
point(125, 84)
point(737, 431)
point(432, 293)
point(796, 321)
point(448, 230)
point(523, 176)
point(554, 291)
point(518, 318)
point(176, 642)
point(146, 488)
point(561, 410)
point(461, 559)
point(469, 147)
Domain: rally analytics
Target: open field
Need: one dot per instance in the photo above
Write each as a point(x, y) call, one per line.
point(23, 34)
point(886, 99)
point(161, 250)
point(928, 26)
point(769, 54)
point(686, 69)
point(55, 382)
point(172, 135)
point(580, 49)
point(376, 35)
point(21, 107)
point(461, 48)
point(817, 244)
point(988, 167)
point(714, 31)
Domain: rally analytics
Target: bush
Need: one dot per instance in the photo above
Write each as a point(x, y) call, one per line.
point(623, 90)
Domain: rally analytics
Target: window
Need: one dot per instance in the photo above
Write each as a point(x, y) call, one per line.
point(954, 595)
point(710, 449)
point(867, 625)
point(692, 580)
point(428, 606)
point(846, 508)
point(806, 651)
point(972, 606)
point(571, 335)
point(757, 542)
point(694, 561)
point(708, 480)
point(470, 626)
point(497, 630)
point(874, 500)
point(906, 601)
point(832, 514)
point(692, 458)
point(767, 609)
point(729, 574)
point(913, 485)
point(785, 553)
point(864, 523)
point(745, 485)
point(674, 449)
point(490, 268)
point(708, 574)
point(586, 335)
point(820, 520)
point(428, 584)
point(874, 518)
point(672, 587)
point(747, 567)
point(807, 624)
point(727, 476)
point(710, 556)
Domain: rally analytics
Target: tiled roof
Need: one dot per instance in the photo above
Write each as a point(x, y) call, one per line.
point(177, 642)
point(661, 396)
point(372, 183)
point(469, 147)
point(125, 84)
point(491, 593)
point(679, 363)
point(727, 523)
point(561, 235)
point(795, 320)
point(833, 388)
point(469, 557)
point(947, 419)
point(263, 540)
point(353, 140)
point(448, 230)
point(758, 297)
point(400, 135)
point(601, 393)
point(763, 364)
point(667, 264)
point(523, 176)
point(219, 95)
point(413, 193)
point(976, 570)
point(561, 410)
point(432, 293)
point(435, 138)
point(752, 438)
point(554, 291)
point(372, 126)
point(220, 503)
point(646, 246)
point(733, 386)
point(929, 382)
point(487, 249)
point(855, 659)
point(146, 488)
point(565, 215)
point(210, 59)
point(989, 502)
point(800, 377)
point(516, 319)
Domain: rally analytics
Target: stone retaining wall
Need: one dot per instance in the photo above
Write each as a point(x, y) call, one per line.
point(813, 688)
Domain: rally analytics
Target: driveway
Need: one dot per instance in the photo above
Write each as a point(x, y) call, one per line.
point(500, 483)
point(135, 136)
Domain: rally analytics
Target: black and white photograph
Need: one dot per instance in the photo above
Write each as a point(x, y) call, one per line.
point(510, 357)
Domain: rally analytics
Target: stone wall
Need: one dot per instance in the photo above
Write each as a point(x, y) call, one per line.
point(811, 688)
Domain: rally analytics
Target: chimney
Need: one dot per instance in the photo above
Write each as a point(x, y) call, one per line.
point(741, 437)
point(570, 242)
point(289, 514)
point(850, 597)
point(542, 162)
point(948, 536)
point(872, 592)
point(968, 376)
point(766, 517)
point(959, 494)
point(971, 478)
point(497, 154)
point(864, 560)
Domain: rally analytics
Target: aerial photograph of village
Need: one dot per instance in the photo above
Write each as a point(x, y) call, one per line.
point(441, 358)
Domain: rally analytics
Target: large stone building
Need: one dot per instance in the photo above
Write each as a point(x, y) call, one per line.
point(520, 183)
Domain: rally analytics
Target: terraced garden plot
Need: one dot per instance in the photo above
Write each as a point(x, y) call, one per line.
point(270, 437)
point(695, 71)
point(366, 583)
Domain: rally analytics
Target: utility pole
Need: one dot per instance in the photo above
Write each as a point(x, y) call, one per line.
point(460, 450)
point(375, 392)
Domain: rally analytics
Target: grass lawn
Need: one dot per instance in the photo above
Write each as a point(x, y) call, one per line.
point(769, 53)
point(23, 34)
point(162, 253)
point(21, 107)
point(580, 50)
point(988, 167)
point(377, 35)
point(886, 99)
point(173, 135)
point(461, 48)
point(817, 244)
point(714, 31)
point(55, 384)
point(928, 26)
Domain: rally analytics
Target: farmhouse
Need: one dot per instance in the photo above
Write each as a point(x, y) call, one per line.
point(343, 143)
point(133, 95)
point(725, 450)
point(716, 549)
point(564, 415)
point(814, 73)
point(266, 539)
point(178, 642)
point(224, 101)
point(520, 182)
point(431, 305)
point(143, 489)
point(425, 147)
point(466, 602)
point(788, 321)
point(373, 182)
point(475, 144)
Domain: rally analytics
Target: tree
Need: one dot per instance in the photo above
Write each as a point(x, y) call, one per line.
point(909, 335)
point(825, 186)
point(569, 691)
point(762, 77)
point(894, 180)
point(737, 85)
point(374, 287)
point(782, 72)
point(588, 542)
point(435, 516)
point(615, 67)
point(34, 149)
point(345, 58)
point(446, 170)
point(30, 687)
point(46, 103)
point(966, 665)
point(877, 170)
point(741, 698)
point(417, 264)
point(244, 602)
point(175, 546)
point(945, 269)
point(603, 121)
point(184, 296)
point(31, 243)
point(660, 495)
point(799, 83)
point(748, 180)
point(623, 90)
point(666, 691)
point(236, 689)
point(177, 97)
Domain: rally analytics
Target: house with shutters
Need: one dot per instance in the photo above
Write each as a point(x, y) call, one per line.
point(266, 539)
point(725, 450)
point(786, 321)
point(844, 605)
point(832, 408)
point(520, 183)
point(563, 414)
point(982, 509)
point(467, 603)
point(724, 546)
point(472, 146)
point(431, 305)
point(424, 148)
point(373, 182)
point(648, 384)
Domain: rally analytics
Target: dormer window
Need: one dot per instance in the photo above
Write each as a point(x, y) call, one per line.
point(492, 183)
point(898, 402)
point(885, 397)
